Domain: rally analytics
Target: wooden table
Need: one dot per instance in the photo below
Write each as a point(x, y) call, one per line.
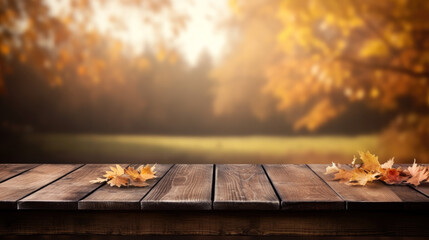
point(206, 201)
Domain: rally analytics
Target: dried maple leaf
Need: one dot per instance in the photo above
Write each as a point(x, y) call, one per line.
point(118, 181)
point(134, 174)
point(370, 161)
point(127, 177)
point(136, 179)
point(343, 175)
point(118, 171)
point(147, 172)
point(361, 177)
point(332, 169)
point(393, 176)
point(417, 173)
point(388, 164)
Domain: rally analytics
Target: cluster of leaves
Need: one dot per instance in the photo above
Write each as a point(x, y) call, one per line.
point(128, 177)
point(368, 169)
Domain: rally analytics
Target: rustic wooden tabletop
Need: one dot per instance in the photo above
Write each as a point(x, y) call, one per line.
point(274, 192)
point(199, 187)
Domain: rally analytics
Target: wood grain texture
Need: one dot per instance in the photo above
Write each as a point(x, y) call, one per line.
point(374, 195)
point(108, 198)
point(298, 224)
point(423, 188)
point(20, 186)
point(10, 170)
point(66, 192)
point(301, 189)
point(185, 186)
point(243, 187)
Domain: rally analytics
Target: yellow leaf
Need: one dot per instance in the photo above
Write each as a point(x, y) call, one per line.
point(370, 161)
point(361, 177)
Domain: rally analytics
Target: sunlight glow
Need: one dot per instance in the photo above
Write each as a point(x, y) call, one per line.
point(200, 34)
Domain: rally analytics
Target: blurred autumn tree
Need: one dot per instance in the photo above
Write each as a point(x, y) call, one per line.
point(314, 59)
point(66, 45)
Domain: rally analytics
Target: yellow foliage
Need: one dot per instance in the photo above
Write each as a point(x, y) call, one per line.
point(327, 55)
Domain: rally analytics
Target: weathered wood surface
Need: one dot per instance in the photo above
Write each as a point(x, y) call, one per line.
point(376, 195)
point(20, 186)
point(108, 198)
point(184, 187)
point(300, 189)
point(199, 187)
point(10, 170)
point(243, 187)
point(66, 192)
point(191, 190)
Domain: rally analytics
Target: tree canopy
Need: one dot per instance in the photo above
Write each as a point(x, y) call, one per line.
point(315, 59)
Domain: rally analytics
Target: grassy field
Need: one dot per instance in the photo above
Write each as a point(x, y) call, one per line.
point(189, 149)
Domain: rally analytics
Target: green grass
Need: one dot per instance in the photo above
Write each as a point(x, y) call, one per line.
point(189, 149)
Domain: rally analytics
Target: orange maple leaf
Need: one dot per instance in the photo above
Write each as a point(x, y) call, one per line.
point(393, 176)
point(147, 172)
point(136, 179)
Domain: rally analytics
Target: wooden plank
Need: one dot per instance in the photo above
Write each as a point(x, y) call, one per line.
point(423, 189)
point(10, 170)
point(151, 224)
point(108, 198)
point(301, 189)
point(185, 186)
point(66, 192)
point(375, 195)
point(20, 186)
point(243, 186)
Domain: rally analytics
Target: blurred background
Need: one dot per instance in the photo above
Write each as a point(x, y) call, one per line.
point(240, 81)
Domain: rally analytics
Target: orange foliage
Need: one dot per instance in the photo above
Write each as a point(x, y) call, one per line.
point(316, 58)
